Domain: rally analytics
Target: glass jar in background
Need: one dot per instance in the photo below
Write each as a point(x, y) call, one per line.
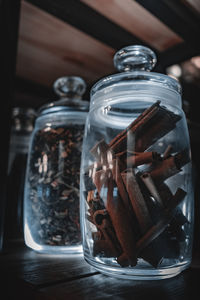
point(136, 179)
point(51, 200)
point(21, 129)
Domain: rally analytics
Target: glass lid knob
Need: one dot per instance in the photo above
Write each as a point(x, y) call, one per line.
point(69, 86)
point(133, 58)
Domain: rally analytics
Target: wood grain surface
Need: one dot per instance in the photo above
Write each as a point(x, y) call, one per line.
point(137, 20)
point(49, 48)
point(26, 274)
point(42, 269)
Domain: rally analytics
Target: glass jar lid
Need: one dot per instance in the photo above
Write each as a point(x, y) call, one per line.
point(23, 119)
point(135, 62)
point(70, 90)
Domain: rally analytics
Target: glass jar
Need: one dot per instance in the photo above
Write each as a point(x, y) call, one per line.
point(21, 128)
point(136, 185)
point(51, 202)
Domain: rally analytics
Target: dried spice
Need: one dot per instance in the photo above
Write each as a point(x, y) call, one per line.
point(53, 183)
point(135, 213)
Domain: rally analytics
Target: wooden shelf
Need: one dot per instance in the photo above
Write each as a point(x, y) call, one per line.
point(80, 37)
point(27, 274)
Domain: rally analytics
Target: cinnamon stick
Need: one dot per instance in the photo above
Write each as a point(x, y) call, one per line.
point(116, 173)
point(151, 125)
point(90, 196)
point(120, 221)
point(170, 166)
point(158, 126)
point(95, 203)
point(118, 143)
point(158, 228)
point(108, 243)
point(148, 181)
point(99, 151)
point(138, 203)
point(99, 179)
point(140, 158)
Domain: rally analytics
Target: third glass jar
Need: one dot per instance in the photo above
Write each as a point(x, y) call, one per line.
point(136, 177)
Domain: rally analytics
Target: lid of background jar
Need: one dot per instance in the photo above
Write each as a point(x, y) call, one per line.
point(23, 119)
point(70, 90)
point(135, 63)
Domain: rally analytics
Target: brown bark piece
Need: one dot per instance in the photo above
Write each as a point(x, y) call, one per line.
point(158, 228)
point(138, 203)
point(170, 166)
point(124, 232)
point(140, 158)
point(151, 125)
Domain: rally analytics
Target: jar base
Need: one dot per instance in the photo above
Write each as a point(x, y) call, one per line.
point(138, 273)
point(50, 249)
point(61, 250)
point(57, 249)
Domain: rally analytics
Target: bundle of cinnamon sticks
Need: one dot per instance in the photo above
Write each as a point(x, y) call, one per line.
point(134, 212)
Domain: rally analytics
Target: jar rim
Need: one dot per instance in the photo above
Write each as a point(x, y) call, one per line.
point(135, 77)
point(52, 108)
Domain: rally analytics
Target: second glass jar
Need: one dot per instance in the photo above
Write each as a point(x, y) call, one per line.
point(51, 200)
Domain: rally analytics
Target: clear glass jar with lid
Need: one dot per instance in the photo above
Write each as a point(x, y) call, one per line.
point(136, 182)
point(51, 200)
point(22, 123)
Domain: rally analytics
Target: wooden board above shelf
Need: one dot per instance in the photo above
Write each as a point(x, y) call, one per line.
point(49, 48)
point(58, 38)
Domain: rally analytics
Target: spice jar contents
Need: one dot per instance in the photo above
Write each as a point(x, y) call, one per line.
point(133, 212)
point(53, 181)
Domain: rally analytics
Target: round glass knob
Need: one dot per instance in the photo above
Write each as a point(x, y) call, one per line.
point(69, 86)
point(133, 58)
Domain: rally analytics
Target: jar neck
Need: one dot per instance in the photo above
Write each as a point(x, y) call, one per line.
point(60, 118)
point(136, 91)
point(65, 104)
point(163, 88)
